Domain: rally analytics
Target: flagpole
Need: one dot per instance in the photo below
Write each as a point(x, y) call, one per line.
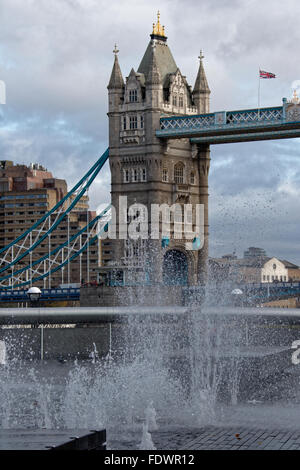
point(258, 93)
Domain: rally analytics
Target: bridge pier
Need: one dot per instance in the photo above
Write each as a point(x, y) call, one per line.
point(203, 156)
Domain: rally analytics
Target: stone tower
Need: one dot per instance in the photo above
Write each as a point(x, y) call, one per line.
point(149, 171)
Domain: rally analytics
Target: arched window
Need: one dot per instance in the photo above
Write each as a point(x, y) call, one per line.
point(179, 173)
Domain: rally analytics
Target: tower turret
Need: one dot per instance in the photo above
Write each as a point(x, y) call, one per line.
point(116, 88)
point(116, 84)
point(153, 82)
point(201, 90)
point(153, 76)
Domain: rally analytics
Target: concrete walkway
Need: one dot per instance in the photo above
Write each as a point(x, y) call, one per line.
point(243, 438)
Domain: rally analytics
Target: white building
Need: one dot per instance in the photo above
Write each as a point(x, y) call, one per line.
point(274, 270)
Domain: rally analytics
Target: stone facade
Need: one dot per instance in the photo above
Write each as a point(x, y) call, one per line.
point(149, 171)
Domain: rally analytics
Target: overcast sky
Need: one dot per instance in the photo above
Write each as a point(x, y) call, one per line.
point(56, 59)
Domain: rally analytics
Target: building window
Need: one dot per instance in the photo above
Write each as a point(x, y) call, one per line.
point(124, 123)
point(174, 100)
point(178, 173)
point(133, 122)
point(142, 122)
point(135, 175)
point(133, 96)
point(140, 212)
point(126, 176)
point(143, 174)
point(180, 101)
point(192, 177)
point(165, 175)
point(274, 266)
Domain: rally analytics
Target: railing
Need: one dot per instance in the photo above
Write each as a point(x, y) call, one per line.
point(223, 119)
point(72, 293)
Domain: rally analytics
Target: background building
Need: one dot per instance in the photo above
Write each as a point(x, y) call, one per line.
point(255, 267)
point(254, 252)
point(26, 194)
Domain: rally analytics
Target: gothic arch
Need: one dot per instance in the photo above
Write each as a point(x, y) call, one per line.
point(175, 268)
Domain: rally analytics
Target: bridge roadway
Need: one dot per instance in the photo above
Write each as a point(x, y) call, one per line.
point(20, 295)
point(280, 122)
point(259, 292)
point(252, 293)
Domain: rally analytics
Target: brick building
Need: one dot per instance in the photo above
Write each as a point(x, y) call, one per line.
point(26, 194)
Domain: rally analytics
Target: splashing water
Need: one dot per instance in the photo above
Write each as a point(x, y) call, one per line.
point(146, 443)
point(169, 370)
point(150, 416)
point(2, 353)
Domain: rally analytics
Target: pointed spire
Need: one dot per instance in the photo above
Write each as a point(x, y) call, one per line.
point(153, 76)
point(201, 85)
point(116, 79)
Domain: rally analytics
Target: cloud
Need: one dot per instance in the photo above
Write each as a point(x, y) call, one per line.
point(56, 58)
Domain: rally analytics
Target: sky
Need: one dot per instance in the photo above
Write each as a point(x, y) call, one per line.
point(56, 58)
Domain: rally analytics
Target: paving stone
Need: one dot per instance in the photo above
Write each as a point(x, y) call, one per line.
point(250, 439)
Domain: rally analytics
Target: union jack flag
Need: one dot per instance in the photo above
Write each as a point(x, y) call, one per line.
point(263, 74)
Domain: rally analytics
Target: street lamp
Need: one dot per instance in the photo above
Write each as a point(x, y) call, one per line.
point(237, 297)
point(34, 293)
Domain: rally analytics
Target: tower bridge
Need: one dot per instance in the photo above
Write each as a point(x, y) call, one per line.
point(160, 132)
point(281, 122)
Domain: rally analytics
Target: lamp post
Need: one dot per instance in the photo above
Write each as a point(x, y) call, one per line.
point(237, 297)
point(34, 294)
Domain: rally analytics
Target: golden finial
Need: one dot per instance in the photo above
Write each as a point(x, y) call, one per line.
point(116, 50)
point(158, 29)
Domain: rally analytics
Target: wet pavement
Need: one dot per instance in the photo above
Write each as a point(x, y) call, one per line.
point(240, 438)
